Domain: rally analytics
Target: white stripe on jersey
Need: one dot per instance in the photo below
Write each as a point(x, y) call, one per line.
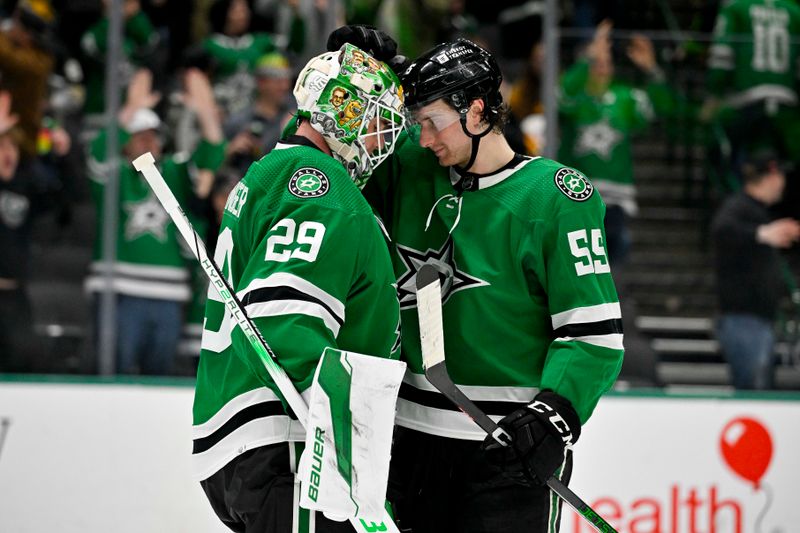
point(258, 432)
point(282, 279)
point(453, 423)
point(166, 290)
point(721, 56)
point(478, 393)
point(592, 313)
point(332, 313)
point(160, 273)
point(444, 423)
point(612, 341)
point(228, 410)
point(293, 307)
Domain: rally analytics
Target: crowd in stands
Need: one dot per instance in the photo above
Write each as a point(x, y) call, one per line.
point(205, 85)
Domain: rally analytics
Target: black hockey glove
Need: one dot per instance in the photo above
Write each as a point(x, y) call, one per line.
point(541, 432)
point(375, 42)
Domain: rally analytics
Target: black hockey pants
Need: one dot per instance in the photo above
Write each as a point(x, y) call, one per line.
point(441, 485)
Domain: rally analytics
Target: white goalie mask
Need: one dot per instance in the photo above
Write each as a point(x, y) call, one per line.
point(356, 103)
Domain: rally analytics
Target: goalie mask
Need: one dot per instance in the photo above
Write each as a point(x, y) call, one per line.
point(356, 103)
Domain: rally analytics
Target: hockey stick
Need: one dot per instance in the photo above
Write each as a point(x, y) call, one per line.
point(431, 333)
point(145, 164)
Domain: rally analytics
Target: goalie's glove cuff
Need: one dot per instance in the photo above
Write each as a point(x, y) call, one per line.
point(541, 432)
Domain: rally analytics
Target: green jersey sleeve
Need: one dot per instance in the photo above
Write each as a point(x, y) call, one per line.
point(567, 255)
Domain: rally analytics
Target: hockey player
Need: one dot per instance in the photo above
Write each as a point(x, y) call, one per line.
point(303, 249)
point(530, 310)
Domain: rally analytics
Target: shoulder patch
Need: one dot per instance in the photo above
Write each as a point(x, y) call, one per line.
point(309, 182)
point(573, 184)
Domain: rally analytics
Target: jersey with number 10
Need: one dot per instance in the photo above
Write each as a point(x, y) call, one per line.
point(529, 302)
point(309, 263)
point(755, 52)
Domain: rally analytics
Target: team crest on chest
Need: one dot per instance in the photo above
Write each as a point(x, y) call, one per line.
point(309, 183)
point(453, 279)
point(573, 184)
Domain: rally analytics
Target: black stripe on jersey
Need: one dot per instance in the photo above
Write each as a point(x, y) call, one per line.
point(585, 329)
point(271, 294)
point(437, 401)
point(248, 414)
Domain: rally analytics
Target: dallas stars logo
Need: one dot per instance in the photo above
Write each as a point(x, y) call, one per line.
point(309, 183)
point(599, 138)
point(146, 216)
point(454, 280)
point(573, 184)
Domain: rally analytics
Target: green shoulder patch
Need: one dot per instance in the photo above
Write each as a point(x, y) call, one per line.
point(309, 182)
point(573, 184)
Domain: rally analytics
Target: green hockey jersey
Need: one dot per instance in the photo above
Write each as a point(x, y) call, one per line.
point(309, 262)
point(596, 131)
point(151, 260)
point(139, 41)
point(529, 302)
point(235, 59)
point(755, 52)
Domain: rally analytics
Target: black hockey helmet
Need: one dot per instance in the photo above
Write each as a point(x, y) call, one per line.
point(458, 71)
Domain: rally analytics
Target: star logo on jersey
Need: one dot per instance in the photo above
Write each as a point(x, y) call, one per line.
point(573, 184)
point(14, 209)
point(453, 279)
point(598, 138)
point(146, 217)
point(309, 183)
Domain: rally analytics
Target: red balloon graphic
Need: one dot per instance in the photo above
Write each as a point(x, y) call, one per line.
point(747, 448)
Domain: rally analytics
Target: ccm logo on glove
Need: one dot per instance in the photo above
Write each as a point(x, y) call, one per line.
point(554, 418)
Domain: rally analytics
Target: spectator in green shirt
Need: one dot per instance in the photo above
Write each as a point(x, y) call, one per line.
point(599, 115)
point(151, 275)
point(139, 44)
point(234, 52)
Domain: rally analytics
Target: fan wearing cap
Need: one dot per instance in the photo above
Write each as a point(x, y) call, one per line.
point(254, 131)
point(150, 277)
point(303, 250)
point(751, 275)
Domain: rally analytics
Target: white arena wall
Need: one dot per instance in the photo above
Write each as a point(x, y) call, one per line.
point(92, 456)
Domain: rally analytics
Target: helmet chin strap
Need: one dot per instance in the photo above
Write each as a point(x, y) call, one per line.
point(476, 141)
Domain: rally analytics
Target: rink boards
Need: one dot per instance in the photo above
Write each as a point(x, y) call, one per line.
point(95, 456)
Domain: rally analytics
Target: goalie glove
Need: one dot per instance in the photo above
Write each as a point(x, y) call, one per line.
point(541, 433)
point(375, 42)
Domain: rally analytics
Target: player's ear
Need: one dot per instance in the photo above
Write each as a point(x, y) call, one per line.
point(476, 109)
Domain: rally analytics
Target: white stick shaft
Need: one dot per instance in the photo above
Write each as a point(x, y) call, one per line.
point(145, 164)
